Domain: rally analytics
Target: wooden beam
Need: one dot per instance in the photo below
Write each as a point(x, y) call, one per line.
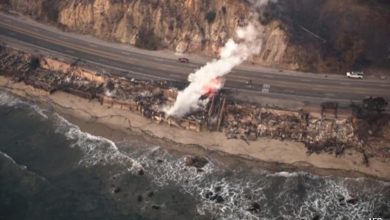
point(220, 116)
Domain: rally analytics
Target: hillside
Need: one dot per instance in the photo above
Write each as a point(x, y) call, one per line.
point(306, 35)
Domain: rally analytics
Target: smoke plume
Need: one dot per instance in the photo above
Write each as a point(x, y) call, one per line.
point(234, 52)
point(248, 41)
point(261, 3)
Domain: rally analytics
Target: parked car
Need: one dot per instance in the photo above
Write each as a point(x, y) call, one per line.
point(183, 60)
point(355, 75)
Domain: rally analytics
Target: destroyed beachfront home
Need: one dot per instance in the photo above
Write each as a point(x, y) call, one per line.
point(148, 98)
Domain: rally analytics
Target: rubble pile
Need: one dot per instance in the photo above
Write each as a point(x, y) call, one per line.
point(149, 98)
point(14, 62)
point(243, 121)
point(249, 122)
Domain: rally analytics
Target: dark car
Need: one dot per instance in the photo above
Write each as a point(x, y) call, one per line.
point(183, 60)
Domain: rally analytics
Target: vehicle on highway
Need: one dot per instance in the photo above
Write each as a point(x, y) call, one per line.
point(248, 82)
point(355, 75)
point(183, 60)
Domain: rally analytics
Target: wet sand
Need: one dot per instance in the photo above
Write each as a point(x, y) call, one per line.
point(89, 114)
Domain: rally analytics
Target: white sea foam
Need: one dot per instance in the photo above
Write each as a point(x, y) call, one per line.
point(233, 191)
point(287, 195)
point(96, 149)
point(286, 174)
point(10, 100)
point(42, 112)
point(8, 157)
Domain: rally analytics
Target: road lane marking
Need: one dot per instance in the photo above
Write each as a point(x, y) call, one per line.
point(93, 45)
point(289, 90)
point(306, 80)
point(265, 89)
point(158, 59)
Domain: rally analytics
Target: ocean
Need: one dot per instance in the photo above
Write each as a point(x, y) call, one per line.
point(50, 169)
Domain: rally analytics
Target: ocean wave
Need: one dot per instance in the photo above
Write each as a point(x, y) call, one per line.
point(7, 157)
point(240, 194)
point(286, 174)
point(9, 100)
point(210, 185)
point(96, 149)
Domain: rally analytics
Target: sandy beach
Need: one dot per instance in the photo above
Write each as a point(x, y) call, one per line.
point(87, 114)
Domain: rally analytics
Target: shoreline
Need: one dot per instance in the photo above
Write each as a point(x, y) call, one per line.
point(286, 155)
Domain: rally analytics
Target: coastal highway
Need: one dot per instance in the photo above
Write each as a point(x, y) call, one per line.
point(132, 62)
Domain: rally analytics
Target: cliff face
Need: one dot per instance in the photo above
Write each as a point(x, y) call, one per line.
point(184, 25)
point(309, 35)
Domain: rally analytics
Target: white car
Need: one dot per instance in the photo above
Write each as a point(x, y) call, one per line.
point(355, 75)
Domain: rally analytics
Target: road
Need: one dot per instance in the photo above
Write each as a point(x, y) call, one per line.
point(133, 62)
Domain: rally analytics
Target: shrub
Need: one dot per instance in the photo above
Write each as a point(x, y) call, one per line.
point(33, 63)
point(147, 40)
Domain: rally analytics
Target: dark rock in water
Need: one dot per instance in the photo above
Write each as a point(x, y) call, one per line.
point(141, 172)
point(199, 170)
point(383, 211)
point(139, 198)
point(195, 161)
point(341, 198)
point(208, 194)
point(217, 188)
point(116, 190)
point(316, 217)
point(255, 207)
point(150, 194)
point(156, 207)
point(217, 199)
point(352, 201)
point(160, 161)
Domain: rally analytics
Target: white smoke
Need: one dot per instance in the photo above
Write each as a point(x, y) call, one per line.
point(248, 41)
point(261, 3)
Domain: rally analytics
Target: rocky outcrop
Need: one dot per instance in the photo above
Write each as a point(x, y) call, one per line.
point(319, 35)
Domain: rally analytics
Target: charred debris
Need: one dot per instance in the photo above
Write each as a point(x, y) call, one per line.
point(323, 132)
